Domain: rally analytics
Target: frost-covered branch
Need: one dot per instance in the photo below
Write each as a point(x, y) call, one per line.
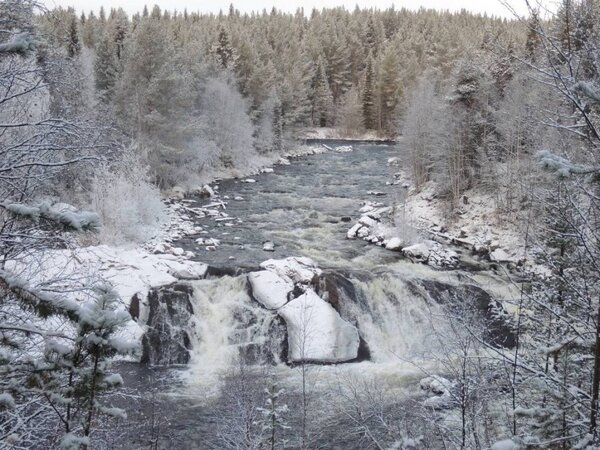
point(75, 220)
point(21, 43)
point(562, 166)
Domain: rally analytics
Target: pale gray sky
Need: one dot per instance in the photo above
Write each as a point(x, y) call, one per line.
point(494, 7)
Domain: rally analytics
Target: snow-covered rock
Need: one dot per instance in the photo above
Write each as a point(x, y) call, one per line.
point(394, 243)
point(394, 161)
point(316, 331)
point(419, 251)
point(499, 255)
point(249, 180)
point(131, 272)
point(269, 246)
point(190, 272)
point(352, 232)
point(370, 206)
point(206, 191)
point(298, 269)
point(238, 198)
point(432, 253)
point(343, 149)
point(440, 388)
point(363, 232)
point(267, 170)
point(376, 193)
point(270, 289)
point(177, 251)
point(208, 241)
point(283, 161)
point(367, 221)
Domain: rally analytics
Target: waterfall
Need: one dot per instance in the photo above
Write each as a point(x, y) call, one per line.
point(398, 324)
point(228, 326)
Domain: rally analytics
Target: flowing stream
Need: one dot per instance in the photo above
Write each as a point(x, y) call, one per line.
point(398, 306)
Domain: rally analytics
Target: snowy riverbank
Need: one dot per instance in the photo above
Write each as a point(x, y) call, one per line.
point(421, 228)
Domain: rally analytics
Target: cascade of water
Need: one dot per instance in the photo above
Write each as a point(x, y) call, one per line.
point(228, 326)
point(397, 325)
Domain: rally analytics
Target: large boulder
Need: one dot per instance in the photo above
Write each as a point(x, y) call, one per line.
point(167, 339)
point(270, 289)
point(317, 332)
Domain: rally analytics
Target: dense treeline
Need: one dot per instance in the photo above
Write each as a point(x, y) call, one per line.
point(173, 79)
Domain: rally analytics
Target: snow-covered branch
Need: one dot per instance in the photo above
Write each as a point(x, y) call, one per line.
point(562, 166)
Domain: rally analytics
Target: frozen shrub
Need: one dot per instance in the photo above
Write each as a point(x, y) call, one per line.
point(129, 205)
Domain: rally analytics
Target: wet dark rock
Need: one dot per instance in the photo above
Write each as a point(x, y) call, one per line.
point(340, 292)
point(270, 352)
point(134, 307)
point(167, 340)
point(498, 330)
point(221, 271)
point(346, 219)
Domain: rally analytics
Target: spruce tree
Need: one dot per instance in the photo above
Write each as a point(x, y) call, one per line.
point(73, 43)
point(322, 114)
point(368, 96)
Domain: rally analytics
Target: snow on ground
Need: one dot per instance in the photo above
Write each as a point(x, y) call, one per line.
point(130, 271)
point(476, 223)
point(334, 133)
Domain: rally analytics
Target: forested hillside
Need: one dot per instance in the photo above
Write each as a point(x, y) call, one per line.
point(172, 81)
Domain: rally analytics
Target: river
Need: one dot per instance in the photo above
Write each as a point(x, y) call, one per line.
point(400, 308)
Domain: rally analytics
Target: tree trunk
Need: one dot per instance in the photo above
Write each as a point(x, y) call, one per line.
point(596, 378)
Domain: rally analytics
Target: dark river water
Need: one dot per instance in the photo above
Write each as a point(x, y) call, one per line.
point(300, 208)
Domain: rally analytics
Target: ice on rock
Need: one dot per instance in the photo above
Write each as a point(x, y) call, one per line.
point(316, 331)
point(270, 289)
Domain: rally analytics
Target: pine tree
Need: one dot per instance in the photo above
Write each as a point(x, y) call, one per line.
point(73, 44)
point(106, 66)
point(223, 50)
point(88, 31)
point(389, 90)
point(368, 98)
point(323, 99)
point(119, 28)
